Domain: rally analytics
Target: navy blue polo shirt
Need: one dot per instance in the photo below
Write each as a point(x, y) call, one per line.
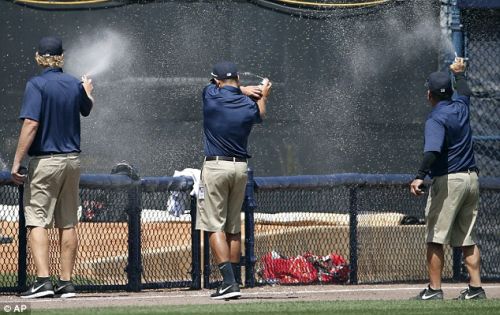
point(448, 131)
point(228, 118)
point(55, 100)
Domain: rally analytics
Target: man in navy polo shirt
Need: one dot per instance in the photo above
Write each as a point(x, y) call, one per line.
point(453, 200)
point(228, 118)
point(50, 135)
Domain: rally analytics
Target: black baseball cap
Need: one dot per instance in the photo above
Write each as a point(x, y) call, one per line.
point(50, 45)
point(439, 83)
point(224, 70)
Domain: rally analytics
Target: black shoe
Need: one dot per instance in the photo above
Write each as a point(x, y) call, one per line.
point(6, 239)
point(64, 289)
point(469, 294)
point(39, 289)
point(227, 291)
point(429, 294)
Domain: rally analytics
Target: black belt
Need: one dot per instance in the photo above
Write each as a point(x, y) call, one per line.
point(51, 155)
point(469, 170)
point(225, 158)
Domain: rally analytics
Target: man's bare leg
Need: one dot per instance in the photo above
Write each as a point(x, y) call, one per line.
point(68, 242)
point(39, 246)
point(472, 261)
point(435, 262)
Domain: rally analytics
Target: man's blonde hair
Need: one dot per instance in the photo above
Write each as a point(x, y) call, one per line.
point(49, 61)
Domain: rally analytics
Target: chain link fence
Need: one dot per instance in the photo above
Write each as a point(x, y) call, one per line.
point(488, 231)
point(9, 242)
point(378, 227)
point(133, 235)
point(482, 47)
point(293, 222)
point(348, 228)
point(170, 244)
point(372, 222)
point(103, 231)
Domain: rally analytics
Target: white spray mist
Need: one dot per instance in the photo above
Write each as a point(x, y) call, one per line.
point(3, 165)
point(406, 44)
point(97, 54)
point(107, 57)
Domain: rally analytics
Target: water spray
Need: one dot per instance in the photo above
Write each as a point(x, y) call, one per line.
point(96, 55)
point(263, 80)
point(3, 165)
point(252, 74)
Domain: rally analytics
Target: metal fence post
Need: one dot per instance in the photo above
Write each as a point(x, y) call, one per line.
point(22, 259)
point(195, 248)
point(457, 35)
point(457, 264)
point(206, 261)
point(134, 267)
point(249, 205)
point(457, 38)
point(353, 235)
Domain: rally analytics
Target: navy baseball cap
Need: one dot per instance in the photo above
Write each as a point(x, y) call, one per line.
point(440, 83)
point(50, 45)
point(224, 70)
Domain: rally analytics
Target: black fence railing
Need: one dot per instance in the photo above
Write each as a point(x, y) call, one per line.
point(345, 228)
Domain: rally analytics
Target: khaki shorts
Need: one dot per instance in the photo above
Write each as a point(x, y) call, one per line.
point(51, 191)
point(451, 209)
point(219, 206)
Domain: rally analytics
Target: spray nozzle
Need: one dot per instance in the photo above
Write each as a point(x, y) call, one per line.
point(23, 170)
point(456, 56)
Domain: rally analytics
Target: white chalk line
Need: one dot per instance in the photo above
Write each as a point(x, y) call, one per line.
point(267, 293)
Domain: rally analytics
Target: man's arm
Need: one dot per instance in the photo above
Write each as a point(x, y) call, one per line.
point(461, 85)
point(89, 102)
point(416, 186)
point(252, 91)
point(429, 159)
point(458, 69)
point(261, 103)
point(434, 139)
point(26, 137)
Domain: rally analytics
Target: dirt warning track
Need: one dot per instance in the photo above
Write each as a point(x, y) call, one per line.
point(252, 295)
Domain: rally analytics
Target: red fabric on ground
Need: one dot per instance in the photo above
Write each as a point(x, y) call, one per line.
point(306, 268)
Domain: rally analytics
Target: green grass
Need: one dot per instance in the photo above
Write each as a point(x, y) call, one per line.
point(313, 308)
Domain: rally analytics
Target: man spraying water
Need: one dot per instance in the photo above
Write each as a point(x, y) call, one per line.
point(229, 113)
point(50, 135)
point(453, 202)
